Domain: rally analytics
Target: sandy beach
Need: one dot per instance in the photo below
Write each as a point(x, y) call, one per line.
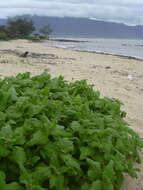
point(113, 76)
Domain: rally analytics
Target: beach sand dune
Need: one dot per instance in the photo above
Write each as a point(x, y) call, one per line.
point(113, 76)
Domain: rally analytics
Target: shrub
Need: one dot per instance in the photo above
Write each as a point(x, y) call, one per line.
point(32, 38)
point(42, 37)
point(55, 134)
point(46, 30)
point(20, 27)
point(3, 36)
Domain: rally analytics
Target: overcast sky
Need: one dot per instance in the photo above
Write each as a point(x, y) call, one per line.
point(126, 11)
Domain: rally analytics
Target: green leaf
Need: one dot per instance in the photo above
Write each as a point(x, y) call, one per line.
point(13, 186)
point(57, 182)
point(34, 109)
point(13, 93)
point(108, 186)
point(53, 181)
point(2, 176)
point(71, 162)
point(19, 156)
point(38, 138)
point(85, 152)
point(6, 133)
point(75, 126)
point(109, 173)
point(19, 136)
point(2, 118)
point(41, 174)
point(4, 151)
point(96, 185)
point(85, 186)
point(59, 131)
point(65, 145)
point(34, 160)
point(94, 171)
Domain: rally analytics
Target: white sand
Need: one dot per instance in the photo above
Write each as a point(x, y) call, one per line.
point(113, 76)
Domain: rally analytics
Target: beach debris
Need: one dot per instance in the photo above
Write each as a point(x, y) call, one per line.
point(121, 72)
point(128, 89)
point(46, 70)
point(33, 55)
point(107, 67)
point(44, 55)
point(19, 47)
point(4, 61)
point(96, 66)
point(130, 77)
point(52, 63)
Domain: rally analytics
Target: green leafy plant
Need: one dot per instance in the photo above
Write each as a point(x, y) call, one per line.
point(32, 38)
point(55, 134)
point(3, 36)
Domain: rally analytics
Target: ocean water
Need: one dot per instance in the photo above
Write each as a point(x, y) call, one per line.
point(122, 47)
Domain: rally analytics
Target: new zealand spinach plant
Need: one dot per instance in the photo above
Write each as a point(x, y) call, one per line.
point(55, 134)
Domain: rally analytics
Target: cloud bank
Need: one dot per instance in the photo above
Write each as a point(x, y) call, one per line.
point(123, 11)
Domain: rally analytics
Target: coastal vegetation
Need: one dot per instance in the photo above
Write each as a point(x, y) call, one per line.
point(22, 28)
point(3, 36)
point(56, 134)
point(46, 31)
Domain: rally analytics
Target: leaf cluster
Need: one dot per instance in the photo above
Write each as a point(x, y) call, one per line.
point(3, 36)
point(55, 134)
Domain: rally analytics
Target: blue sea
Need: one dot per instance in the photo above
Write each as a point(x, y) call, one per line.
point(122, 47)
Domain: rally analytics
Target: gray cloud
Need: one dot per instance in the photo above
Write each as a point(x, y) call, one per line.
point(126, 11)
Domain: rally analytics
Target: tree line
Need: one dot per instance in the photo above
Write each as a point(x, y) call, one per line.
point(25, 29)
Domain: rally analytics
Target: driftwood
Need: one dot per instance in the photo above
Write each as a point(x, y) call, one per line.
point(33, 55)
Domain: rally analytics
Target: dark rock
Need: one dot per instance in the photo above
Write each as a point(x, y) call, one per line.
point(24, 54)
point(108, 67)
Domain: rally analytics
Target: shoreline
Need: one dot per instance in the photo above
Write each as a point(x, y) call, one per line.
point(103, 53)
point(88, 51)
point(67, 40)
point(92, 52)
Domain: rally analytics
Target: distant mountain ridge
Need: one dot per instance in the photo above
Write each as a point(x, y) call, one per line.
point(84, 27)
